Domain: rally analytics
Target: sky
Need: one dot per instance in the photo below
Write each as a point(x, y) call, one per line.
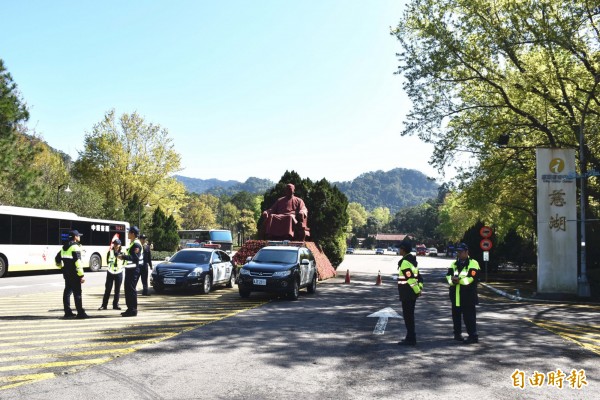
point(244, 88)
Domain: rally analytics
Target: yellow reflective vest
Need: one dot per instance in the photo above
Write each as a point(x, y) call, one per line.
point(115, 266)
point(467, 283)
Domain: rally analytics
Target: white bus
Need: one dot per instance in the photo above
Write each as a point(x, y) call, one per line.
point(30, 238)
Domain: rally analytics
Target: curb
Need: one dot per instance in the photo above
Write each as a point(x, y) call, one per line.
point(519, 298)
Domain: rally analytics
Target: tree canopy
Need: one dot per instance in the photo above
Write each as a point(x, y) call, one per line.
point(481, 72)
point(17, 148)
point(128, 158)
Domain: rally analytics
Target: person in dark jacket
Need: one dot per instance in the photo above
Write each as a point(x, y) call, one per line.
point(462, 277)
point(134, 257)
point(69, 260)
point(409, 288)
point(147, 263)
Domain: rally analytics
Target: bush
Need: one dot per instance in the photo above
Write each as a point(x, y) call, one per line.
point(161, 255)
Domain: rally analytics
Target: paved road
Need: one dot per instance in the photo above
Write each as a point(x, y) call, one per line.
point(323, 346)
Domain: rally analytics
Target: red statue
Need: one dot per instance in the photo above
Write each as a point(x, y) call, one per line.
point(287, 217)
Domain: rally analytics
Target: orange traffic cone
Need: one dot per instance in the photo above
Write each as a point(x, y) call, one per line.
point(347, 276)
point(378, 281)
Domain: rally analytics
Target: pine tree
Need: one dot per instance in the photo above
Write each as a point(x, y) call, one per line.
point(16, 149)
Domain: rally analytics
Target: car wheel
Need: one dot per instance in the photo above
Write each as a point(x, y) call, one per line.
point(295, 292)
point(313, 284)
point(206, 284)
point(95, 263)
point(244, 294)
point(231, 281)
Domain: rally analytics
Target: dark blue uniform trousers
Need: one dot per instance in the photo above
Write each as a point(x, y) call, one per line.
point(72, 287)
point(118, 280)
point(132, 275)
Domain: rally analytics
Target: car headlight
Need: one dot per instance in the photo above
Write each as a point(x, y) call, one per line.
point(244, 272)
point(196, 272)
point(282, 273)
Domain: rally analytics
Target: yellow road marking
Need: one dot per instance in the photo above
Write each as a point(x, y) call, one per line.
point(76, 354)
point(562, 330)
point(70, 339)
point(105, 336)
point(79, 345)
point(19, 380)
point(56, 364)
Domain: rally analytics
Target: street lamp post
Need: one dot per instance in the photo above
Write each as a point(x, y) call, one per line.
point(68, 190)
point(583, 285)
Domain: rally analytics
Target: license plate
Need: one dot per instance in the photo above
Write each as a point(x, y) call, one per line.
point(262, 282)
point(169, 281)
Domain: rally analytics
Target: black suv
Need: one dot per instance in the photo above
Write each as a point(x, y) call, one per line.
point(279, 269)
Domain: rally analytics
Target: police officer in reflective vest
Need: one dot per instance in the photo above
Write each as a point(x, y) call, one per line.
point(462, 277)
point(134, 259)
point(114, 274)
point(69, 260)
point(410, 285)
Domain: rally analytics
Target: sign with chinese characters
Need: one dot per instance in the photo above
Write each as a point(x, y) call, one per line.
point(557, 379)
point(557, 221)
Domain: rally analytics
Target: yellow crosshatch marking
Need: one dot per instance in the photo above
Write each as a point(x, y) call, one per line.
point(36, 340)
point(585, 335)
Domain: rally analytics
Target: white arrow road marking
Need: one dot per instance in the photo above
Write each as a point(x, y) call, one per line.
point(383, 316)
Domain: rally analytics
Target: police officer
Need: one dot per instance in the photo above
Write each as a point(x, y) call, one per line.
point(410, 285)
point(462, 277)
point(134, 259)
point(114, 274)
point(69, 260)
point(147, 263)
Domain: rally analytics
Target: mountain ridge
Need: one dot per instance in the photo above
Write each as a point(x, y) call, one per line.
point(395, 189)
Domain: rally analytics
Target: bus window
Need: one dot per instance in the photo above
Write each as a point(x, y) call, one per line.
point(5, 224)
point(21, 231)
point(39, 230)
point(53, 232)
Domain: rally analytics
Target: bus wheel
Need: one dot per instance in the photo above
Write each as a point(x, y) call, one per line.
point(3, 267)
point(95, 263)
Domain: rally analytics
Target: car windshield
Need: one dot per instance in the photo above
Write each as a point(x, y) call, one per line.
point(190, 257)
point(276, 256)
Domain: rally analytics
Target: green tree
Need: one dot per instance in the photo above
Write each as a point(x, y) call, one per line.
point(198, 212)
point(163, 231)
point(480, 72)
point(382, 215)
point(369, 242)
point(17, 148)
point(244, 200)
point(357, 214)
point(246, 225)
point(125, 157)
point(230, 216)
point(327, 219)
point(170, 238)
